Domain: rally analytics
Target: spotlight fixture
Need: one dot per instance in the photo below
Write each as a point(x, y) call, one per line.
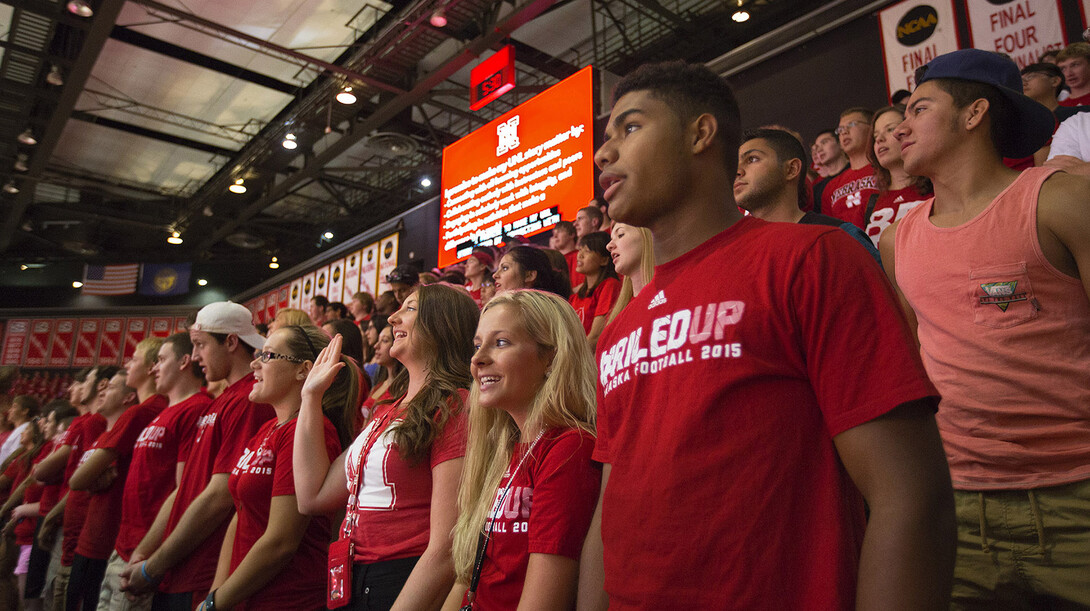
point(10, 187)
point(27, 137)
point(54, 77)
point(20, 163)
point(328, 235)
point(80, 7)
point(425, 182)
point(175, 238)
point(24, 267)
point(438, 19)
point(77, 284)
point(274, 264)
point(201, 282)
point(740, 16)
point(238, 187)
point(346, 96)
point(289, 142)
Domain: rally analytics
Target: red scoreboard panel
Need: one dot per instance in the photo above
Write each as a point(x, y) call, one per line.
point(522, 172)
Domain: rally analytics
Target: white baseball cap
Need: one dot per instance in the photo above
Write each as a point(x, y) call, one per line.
point(229, 317)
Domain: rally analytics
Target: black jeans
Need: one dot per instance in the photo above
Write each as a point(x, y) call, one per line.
point(181, 601)
point(39, 565)
point(375, 586)
point(85, 583)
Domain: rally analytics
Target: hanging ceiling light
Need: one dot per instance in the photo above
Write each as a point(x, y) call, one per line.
point(201, 282)
point(20, 163)
point(438, 19)
point(274, 264)
point(80, 7)
point(77, 284)
point(346, 96)
point(10, 187)
point(328, 235)
point(238, 187)
point(54, 77)
point(425, 182)
point(175, 238)
point(289, 142)
point(740, 16)
point(27, 137)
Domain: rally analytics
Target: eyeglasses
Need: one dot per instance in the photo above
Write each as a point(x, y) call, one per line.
point(843, 129)
point(266, 356)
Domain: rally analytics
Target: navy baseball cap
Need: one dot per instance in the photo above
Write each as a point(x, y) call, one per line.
point(1033, 123)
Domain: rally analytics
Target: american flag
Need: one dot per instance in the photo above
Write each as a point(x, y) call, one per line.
point(110, 279)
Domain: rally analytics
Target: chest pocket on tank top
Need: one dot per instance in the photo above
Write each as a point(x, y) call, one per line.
point(1002, 295)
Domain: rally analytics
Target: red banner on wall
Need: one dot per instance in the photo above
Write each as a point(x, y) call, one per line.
point(38, 345)
point(15, 341)
point(271, 301)
point(87, 342)
point(109, 347)
point(282, 301)
point(64, 339)
point(135, 332)
point(179, 324)
point(161, 327)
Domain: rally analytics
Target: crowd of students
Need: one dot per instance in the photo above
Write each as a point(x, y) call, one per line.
point(765, 413)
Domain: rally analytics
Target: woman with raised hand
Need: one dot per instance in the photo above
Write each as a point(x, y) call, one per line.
point(273, 556)
point(529, 487)
point(398, 482)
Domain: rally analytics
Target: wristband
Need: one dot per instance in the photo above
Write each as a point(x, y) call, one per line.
point(144, 574)
point(209, 602)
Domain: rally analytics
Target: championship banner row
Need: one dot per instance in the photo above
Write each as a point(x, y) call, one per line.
point(364, 270)
point(80, 342)
point(916, 31)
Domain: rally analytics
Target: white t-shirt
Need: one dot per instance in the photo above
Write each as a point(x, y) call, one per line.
point(12, 442)
point(1072, 138)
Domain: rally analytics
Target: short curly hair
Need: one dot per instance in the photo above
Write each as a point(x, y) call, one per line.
point(691, 90)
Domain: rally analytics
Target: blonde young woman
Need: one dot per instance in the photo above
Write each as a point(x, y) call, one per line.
point(529, 487)
point(398, 481)
point(633, 255)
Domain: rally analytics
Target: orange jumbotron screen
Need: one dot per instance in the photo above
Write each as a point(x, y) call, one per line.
point(522, 172)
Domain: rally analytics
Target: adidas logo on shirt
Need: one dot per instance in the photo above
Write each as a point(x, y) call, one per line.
point(657, 300)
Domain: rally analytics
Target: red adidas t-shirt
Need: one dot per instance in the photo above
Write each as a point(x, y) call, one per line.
point(572, 259)
point(597, 302)
point(263, 471)
point(99, 534)
point(20, 469)
point(547, 510)
point(890, 207)
point(393, 507)
point(846, 196)
point(164, 443)
point(1082, 100)
point(222, 432)
point(84, 431)
point(734, 495)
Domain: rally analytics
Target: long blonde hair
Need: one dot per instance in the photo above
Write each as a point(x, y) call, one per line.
point(647, 268)
point(566, 399)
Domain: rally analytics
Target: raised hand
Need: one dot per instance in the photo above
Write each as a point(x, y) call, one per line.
point(325, 369)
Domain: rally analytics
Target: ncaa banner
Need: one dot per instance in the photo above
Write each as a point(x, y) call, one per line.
point(308, 291)
point(321, 282)
point(38, 347)
point(15, 341)
point(351, 275)
point(1021, 29)
point(64, 339)
point(136, 329)
point(915, 32)
point(336, 281)
point(369, 269)
point(87, 342)
point(387, 253)
point(295, 295)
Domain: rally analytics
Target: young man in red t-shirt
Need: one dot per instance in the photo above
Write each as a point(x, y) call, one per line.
point(845, 197)
point(224, 340)
point(739, 427)
point(563, 240)
point(59, 467)
point(1074, 61)
point(158, 455)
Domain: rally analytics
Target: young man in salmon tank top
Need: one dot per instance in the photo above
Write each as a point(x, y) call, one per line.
point(738, 430)
point(990, 270)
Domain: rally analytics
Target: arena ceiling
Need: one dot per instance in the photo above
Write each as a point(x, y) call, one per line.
point(144, 113)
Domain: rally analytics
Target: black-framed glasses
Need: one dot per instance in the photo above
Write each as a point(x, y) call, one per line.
point(843, 129)
point(265, 356)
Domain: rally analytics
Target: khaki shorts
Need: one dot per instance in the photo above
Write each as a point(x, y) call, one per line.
point(1023, 549)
